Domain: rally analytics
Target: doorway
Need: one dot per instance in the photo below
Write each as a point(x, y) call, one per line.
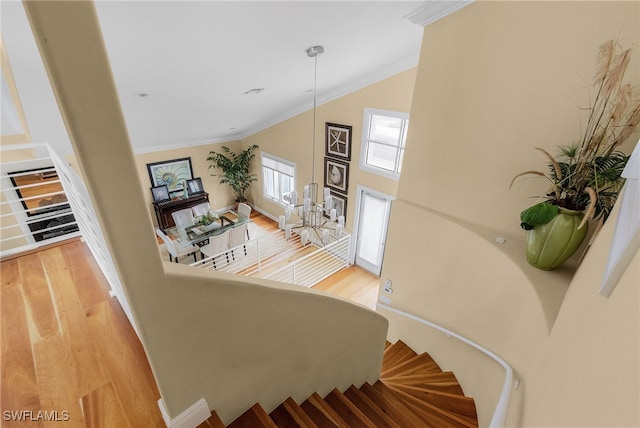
point(372, 221)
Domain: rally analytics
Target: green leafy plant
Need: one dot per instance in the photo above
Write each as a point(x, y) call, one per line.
point(208, 218)
point(235, 169)
point(586, 176)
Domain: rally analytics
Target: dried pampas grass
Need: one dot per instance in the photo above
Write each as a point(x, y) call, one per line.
point(615, 113)
point(589, 175)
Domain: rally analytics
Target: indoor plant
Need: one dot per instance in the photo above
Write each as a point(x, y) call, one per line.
point(585, 178)
point(208, 221)
point(235, 169)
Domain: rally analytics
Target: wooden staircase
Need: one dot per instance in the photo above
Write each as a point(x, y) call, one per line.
point(412, 392)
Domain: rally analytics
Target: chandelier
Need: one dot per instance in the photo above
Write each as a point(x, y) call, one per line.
point(314, 221)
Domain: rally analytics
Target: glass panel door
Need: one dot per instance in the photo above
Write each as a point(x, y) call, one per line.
point(373, 220)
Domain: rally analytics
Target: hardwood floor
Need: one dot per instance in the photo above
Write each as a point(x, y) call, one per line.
point(352, 283)
point(68, 355)
point(67, 348)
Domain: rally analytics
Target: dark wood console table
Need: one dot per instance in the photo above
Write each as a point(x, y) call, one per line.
point(164, 209)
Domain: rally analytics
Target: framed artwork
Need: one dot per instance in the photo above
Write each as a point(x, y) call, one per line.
point(339, 202)
point(160, 193)
point(338, 141)
point(336, 175)
point(195, 186)
point(170, 173)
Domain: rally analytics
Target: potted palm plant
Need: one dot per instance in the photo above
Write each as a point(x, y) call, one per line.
point(586, 176)
point(235, 169)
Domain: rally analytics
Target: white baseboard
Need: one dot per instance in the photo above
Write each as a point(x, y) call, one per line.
point(190, 418)
point(265, 213)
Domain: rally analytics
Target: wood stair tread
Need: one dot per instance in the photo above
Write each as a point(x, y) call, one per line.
point(458, 404)
point(347, 410)
point(395, 354)
point(391, 405)
point(412, 392)
point(254, 417)
point(432, 414)
point(370, 409)
point(441, 381)
point(290, 415)
point(422, 363)
point(321, 413)
point(213, 421)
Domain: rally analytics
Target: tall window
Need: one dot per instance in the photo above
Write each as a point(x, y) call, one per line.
point(383, 142)
point(278, 176)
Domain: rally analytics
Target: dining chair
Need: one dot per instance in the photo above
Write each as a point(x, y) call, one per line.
point(218, 245)
point(244, 212)
point(237, 237)
point(183, 218)
point(176, 249)
point(201, 209)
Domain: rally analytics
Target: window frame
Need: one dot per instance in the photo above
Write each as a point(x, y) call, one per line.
point(400, 147)
point(279, 201)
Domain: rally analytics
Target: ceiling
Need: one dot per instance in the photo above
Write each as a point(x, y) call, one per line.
point(183, 68)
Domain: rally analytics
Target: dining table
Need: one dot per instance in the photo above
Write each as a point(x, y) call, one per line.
point(199, 235)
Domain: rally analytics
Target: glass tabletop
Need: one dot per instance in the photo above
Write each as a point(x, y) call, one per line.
point(193, 235)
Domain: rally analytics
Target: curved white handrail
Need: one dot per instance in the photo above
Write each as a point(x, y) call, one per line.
point(500, 412)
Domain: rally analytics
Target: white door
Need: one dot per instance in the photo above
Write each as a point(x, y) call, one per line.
point(372, 222)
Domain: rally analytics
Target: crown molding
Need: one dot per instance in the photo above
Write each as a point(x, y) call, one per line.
point(433, 10)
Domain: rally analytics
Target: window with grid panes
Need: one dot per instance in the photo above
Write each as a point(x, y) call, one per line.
point(383, 142)
point(278, 177)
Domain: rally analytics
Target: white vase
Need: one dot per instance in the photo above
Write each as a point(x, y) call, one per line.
point(209, 227)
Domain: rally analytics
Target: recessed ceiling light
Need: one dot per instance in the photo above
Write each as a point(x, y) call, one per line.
point(254, 91)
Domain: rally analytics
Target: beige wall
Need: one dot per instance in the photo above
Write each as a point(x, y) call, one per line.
point(588, 371)
point(220, 195)
point(495, 80)
point(293, 138)
point(263, 341)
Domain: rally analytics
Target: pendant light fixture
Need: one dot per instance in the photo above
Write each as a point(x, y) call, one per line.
point(314, 221)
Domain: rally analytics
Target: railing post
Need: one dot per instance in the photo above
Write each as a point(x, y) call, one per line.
point(293, 273)
point(258, 254)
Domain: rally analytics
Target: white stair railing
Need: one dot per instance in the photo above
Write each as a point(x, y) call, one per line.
point(34, 206)
point(19, 214)
point(313, 268)
point(248, 258)
point(269, 257)
point(499, 416)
